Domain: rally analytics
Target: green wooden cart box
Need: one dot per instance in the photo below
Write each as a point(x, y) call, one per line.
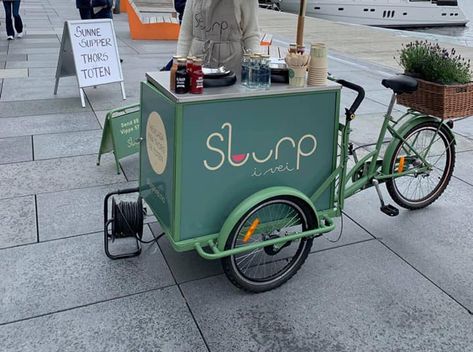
point(203, 155)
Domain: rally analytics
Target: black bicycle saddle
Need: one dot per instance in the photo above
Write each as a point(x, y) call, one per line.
point(400, 84)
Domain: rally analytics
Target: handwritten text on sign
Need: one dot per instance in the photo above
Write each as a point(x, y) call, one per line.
point(95, 52)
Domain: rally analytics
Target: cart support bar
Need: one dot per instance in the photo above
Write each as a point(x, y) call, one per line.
point(327, 225)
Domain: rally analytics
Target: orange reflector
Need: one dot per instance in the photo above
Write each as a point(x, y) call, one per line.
point(251, 230)
point(400, 168)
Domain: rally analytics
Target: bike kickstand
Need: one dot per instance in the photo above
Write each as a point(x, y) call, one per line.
point(387, 209)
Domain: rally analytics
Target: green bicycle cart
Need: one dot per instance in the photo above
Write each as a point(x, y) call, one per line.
point(251, 177)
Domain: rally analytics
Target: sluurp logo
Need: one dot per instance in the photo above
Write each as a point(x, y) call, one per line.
point(300, 148)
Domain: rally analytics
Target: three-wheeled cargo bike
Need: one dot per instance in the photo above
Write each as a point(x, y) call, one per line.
point(251, 177)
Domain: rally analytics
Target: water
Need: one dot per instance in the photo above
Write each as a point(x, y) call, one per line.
point(456, 35)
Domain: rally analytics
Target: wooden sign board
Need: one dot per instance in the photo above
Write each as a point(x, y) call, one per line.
point(121, 133)
point(89, 51)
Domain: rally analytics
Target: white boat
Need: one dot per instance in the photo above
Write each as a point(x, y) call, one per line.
point(383, 13)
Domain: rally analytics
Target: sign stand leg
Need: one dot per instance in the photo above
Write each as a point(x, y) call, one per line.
point(56, 86)
point(123, 90)
point(82, 98)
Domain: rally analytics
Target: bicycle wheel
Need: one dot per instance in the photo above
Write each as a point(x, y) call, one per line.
point(266, 268)
point(418, 190)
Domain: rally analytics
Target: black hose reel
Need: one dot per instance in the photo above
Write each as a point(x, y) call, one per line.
point(126, 221)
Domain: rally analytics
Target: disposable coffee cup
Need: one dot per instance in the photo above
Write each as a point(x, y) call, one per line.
point(297, 76)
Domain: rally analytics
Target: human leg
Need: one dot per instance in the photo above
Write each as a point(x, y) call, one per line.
point(8, 20)
point(86, 14)
point(16, 16)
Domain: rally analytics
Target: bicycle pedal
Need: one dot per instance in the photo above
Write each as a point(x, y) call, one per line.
point(390, 210)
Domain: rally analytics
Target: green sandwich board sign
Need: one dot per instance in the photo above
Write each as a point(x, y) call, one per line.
point(121, 133)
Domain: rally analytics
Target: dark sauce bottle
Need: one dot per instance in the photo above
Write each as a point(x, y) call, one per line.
point(182, 78)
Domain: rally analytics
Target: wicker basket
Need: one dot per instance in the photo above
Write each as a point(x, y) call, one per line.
point(440, 100)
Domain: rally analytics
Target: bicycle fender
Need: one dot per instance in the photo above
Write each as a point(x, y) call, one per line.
point(252, 201)
point(406, 127)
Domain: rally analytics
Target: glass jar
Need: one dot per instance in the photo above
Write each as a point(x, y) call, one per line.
point(254, 71)
point(197, 78)
point(265, 72)
point(245, 68)
point(173, 73)
point(182, 78)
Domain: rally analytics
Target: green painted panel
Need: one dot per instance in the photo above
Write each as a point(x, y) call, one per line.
point(232, 149)
point(120, 133)
point(126, 130)
point(157, 162)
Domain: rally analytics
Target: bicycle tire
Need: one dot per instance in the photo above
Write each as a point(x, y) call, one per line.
point(393, 185)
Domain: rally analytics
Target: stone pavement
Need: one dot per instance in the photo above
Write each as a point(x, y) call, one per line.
point(390, 284)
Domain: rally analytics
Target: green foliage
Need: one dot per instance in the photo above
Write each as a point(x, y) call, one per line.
point(430, 62)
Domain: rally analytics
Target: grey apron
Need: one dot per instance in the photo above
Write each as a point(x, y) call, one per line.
point(217, 36)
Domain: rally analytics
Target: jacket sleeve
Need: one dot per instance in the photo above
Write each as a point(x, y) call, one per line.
point(185, 34)
point(250, 25)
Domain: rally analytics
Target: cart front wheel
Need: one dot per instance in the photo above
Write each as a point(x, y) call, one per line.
point(266, 268)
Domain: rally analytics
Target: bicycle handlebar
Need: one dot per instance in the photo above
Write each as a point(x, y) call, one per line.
point(359, 99)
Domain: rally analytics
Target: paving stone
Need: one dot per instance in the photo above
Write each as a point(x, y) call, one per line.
point(41, 107)
point(58, 145)
point(13, 72)
point(17, 221)
point(56, 175)
point(187, 266)
point(42, 72)
point(131, 167)
point(63, 274)
point(35, 43)
point(356, 298)
point(43, 57)
point(108, 97)
point(16, 149)
point(24, 50)
point(39, 88)
point(29, 125)
point(436, 240)
point(152, 321)
point(12, 57)
point(464, 167)
point(101, 115)
point(69, 213)
point(30, 64)
point(464, 127)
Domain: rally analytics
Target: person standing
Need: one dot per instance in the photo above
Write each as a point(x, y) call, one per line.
point(116, 7)
point(102, 8)
point(85, 9)
point(220, 31)
point(13, 7)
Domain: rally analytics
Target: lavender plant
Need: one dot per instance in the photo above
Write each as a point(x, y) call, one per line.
point(430, 62)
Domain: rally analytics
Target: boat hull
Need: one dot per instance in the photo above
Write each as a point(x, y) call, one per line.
point(373, 13)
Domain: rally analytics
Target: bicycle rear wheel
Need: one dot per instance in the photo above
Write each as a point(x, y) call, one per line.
point(266, 268)
point(420, 189)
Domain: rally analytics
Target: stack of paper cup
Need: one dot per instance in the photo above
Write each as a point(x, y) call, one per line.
point(318, 68)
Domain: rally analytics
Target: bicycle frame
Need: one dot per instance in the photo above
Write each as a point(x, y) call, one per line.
point(343, 189)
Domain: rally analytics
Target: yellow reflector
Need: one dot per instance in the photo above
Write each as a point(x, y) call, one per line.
point(400, 168)
point(251, 230)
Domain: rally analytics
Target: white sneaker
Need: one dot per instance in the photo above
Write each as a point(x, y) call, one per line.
point(20, 35)
point(10, 37)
